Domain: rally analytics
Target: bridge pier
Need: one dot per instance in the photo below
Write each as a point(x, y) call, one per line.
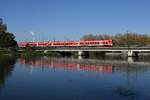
point(131, 53)
point(80, 53)
point(83, 53)
point(45, 51)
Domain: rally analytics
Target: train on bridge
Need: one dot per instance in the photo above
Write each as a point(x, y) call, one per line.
point(92, 43)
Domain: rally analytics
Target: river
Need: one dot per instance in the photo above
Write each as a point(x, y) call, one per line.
point(69, 78)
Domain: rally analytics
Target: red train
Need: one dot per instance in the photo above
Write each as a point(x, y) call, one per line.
point(67, 43)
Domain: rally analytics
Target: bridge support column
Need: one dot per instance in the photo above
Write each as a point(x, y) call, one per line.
point(83, 53)
point(80, 53)
point(131, 53)
point(45, 51)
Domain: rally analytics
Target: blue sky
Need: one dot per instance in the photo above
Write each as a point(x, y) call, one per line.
point(71, 19)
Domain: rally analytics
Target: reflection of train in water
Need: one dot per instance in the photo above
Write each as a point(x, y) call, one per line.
point(68, 65)
point(67, 43)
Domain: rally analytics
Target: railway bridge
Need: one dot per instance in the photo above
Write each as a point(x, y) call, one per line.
point(128, 51)
point(84, 47)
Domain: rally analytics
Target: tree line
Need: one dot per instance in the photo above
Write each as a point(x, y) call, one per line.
point(7, 39)
point(122, 39)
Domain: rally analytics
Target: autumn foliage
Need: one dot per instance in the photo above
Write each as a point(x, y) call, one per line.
point(122, 39)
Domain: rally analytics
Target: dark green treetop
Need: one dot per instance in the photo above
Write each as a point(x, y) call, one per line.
point(7, 39)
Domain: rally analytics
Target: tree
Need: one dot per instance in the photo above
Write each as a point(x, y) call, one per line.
point(3, 27)
point(7, 39)
point(88, 37)
point(96, 37)
point(122, 39)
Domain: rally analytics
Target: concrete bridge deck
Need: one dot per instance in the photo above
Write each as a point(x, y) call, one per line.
point(100, 49)
point(130, 51)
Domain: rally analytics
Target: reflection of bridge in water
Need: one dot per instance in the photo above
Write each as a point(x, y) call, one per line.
point(68, 65)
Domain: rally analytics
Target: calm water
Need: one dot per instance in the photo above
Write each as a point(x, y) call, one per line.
point(73, 79)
